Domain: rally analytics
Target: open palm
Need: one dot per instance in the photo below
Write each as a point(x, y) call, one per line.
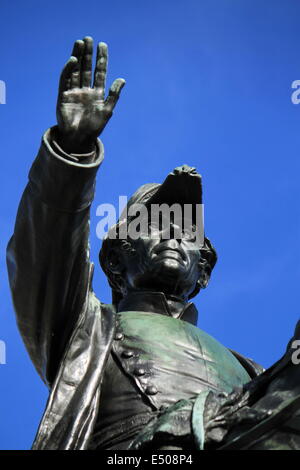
point(82, 109)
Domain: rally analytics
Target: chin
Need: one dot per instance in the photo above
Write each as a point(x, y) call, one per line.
point(171, 266)
point(169, 273)
point(166, 274)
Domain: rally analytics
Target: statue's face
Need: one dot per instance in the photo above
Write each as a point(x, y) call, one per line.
point(165, 265)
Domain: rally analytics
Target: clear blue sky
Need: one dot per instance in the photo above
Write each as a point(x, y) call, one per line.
point(208, 84)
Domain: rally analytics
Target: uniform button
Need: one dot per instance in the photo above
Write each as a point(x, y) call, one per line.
point(119, 336)
point(127, 354)
point(139, 372)
point(151, 390)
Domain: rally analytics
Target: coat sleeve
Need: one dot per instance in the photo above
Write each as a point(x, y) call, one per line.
point(48, 254)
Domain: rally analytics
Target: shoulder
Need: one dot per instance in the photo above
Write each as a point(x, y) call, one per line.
point(251, 367)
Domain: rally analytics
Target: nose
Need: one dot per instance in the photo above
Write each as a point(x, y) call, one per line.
point(172, 232)
point(173, 244)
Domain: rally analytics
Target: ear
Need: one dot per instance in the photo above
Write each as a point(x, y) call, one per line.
point(114, 270)
point(204, 275)
point(114, 262)
point(204, 280)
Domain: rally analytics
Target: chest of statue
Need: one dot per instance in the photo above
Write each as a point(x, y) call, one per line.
point(169, 359)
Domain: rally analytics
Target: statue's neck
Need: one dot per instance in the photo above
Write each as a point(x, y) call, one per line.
point(158, 302)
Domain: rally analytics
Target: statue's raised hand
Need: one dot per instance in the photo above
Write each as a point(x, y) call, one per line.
point(82, 109)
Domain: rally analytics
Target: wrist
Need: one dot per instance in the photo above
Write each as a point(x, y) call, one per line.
point(72, 144)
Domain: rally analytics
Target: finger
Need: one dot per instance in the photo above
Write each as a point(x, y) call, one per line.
point(114, 93)
point(64, 81)
point(87, 59)
point(100, 69)
point(76, 74)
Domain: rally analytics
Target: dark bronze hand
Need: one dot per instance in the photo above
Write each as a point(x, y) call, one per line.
point(82, 109)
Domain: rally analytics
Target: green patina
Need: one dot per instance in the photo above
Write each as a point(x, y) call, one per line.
point(181, 348)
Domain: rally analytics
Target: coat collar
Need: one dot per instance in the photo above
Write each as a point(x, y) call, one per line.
point(157, 302)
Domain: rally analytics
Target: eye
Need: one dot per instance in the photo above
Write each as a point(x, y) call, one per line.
point(190, 233)
point(154, 226)
point(188, 236)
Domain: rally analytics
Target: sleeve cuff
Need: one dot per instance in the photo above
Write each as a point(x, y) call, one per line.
point(75, 157)
point(62, 181)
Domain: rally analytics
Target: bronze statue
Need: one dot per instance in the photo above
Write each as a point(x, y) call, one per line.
point(137, 373)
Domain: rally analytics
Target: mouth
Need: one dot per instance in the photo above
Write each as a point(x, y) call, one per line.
point(165, 251)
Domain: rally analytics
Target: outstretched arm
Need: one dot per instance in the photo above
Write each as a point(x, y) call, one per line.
point(48, 255)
